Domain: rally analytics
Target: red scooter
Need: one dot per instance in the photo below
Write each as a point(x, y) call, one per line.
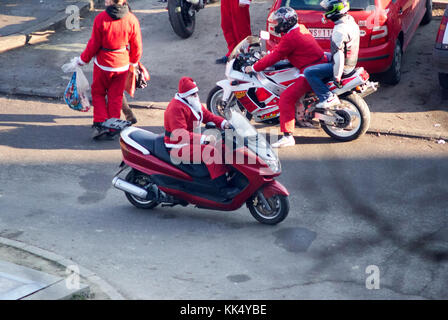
point(152, 178)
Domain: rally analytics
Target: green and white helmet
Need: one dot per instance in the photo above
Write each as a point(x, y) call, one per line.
point(335, 9)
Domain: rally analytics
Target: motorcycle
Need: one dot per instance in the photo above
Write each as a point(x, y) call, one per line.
point(149, 177)
point(257, 94)
point(182, 15)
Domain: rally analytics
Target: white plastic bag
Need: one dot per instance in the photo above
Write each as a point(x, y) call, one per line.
point(71, 66)
point(76, 91)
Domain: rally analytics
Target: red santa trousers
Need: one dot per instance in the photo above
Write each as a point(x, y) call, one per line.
point(201, 153)
point(108, 84)
point(287, 103)
point(235, 23)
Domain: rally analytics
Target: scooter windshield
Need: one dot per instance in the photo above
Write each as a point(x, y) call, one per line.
point(250, 42)
point(252, 139)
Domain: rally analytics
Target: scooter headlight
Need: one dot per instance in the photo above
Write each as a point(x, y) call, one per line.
point(274, 165)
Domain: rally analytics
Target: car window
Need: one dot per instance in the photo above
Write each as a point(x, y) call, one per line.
point(314, 4)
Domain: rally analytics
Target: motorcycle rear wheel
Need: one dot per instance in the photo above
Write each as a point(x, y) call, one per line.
point(180, 19)
point(357, 119)
point(139, 179)
point(279, 209)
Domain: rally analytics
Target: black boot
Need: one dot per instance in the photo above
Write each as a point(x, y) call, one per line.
point(223, 187)
point(98, 130)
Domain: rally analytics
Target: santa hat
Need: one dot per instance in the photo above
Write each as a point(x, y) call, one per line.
point(187, 87)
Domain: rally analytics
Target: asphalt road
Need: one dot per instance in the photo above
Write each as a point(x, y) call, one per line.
point(377, 201)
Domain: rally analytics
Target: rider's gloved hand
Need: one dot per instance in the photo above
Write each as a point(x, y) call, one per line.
point(249, 69)
point(337, 83)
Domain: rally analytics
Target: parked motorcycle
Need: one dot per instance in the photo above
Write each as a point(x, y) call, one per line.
point(149, 177)
point(182, 15)
point(257, 95)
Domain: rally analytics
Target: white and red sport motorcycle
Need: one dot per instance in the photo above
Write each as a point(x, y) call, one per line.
point(257, 95)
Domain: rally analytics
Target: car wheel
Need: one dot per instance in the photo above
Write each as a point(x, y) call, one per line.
point(428, 14)
point(393, 75)
point(443, 80)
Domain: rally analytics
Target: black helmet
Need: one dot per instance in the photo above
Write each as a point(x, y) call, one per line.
point(283, 19)
point(335, 9)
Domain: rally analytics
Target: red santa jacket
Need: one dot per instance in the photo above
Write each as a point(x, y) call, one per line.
point(109, 40)
point(180, 115)
point(298, 46)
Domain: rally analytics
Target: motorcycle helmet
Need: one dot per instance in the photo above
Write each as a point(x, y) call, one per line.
point(283, 19)
point(335, 9)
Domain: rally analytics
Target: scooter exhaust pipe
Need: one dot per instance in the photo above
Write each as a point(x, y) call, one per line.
point(129, 188)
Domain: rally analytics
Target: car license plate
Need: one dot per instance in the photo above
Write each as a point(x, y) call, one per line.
point(321, 33)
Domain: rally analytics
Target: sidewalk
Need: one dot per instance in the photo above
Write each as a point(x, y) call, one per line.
point(31, 273)
point(29, 21)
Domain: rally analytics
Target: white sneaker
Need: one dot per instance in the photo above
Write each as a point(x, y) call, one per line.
point(286, 141)
point(330, 102)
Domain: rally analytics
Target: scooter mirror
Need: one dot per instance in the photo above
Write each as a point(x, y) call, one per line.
point(264, 35)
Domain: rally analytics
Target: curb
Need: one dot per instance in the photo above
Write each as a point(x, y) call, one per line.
point(23, 38)
point(408, 134)
point(85, 273)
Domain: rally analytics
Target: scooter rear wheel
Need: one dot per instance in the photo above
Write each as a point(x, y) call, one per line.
point(141, 180)
point(279, 209)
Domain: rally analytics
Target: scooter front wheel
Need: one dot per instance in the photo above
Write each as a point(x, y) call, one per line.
point(141, 180)
point(278, 211)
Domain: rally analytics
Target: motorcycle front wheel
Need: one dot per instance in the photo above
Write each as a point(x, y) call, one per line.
point(182, 17)
point(277, 213)
point(140, 180)
point(214, 103)
point(356, 115)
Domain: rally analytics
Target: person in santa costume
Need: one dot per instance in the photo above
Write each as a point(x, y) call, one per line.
point(115, 43)
point(235, 24)
point(301, 49)
point(183, 139)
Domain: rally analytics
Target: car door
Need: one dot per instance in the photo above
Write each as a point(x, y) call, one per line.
point(405, 14)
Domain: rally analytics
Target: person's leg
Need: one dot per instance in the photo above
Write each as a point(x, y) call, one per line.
point(127, 111)
point(287, 110)
point(227, 25)
point(115, 94)
point(99, 89)
point(315, 76)
point(241, 22)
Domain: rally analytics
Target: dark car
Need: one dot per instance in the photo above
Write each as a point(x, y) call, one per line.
point(440, 53)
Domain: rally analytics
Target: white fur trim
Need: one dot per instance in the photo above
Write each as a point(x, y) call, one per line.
point(245, 2)
point(223, 123)
point(80, 60)
point(195, 113)
point(124, 68)
point(190, 92)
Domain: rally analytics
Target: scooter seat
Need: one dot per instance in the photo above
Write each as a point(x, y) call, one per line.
point(156, 146)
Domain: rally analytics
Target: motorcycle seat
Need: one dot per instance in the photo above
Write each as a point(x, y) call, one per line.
point(348, 75)
point(155, 144)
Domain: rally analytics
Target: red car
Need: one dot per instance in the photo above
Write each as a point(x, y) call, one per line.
point(440, 53)
point(386, 27)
